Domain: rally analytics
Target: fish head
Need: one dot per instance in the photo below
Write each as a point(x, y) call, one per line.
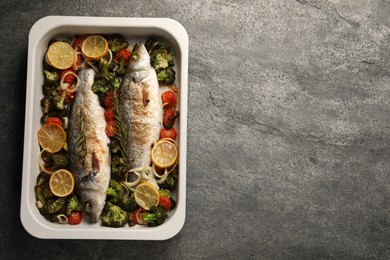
point(139, 59)
point(93, 197)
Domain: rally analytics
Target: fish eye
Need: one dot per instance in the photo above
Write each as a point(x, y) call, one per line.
point(134, 57)
point(87, 206)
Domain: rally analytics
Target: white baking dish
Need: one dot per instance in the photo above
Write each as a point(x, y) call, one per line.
point(131, 28)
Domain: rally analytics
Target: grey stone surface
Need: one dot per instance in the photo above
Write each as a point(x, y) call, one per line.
point(288, 137)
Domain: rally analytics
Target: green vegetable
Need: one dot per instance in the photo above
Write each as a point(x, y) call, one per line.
point(51, 77)
point(73, 204)
point(170, 182)
point(115, 146)
point(122, 66)
point(155, 217)
point(161, 59)
point(42, 178)
point(116, 192)
point(113, 216)
point(128, 204)
point(165, 192)
point(58, 206)
point(100, 86)
point(104, 72)
point(46, 104)
point(60, 160)
point(166, 75)
point(116, 42)
point(115, 84)
point(59, 101)
point(49, 89)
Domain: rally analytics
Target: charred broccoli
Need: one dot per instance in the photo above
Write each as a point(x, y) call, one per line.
point(162, 60)
point(51, 77)
point(49, 89)
point(116, 42)
point(57, 206)
point(129, 204)
point(166, 75)
point(59, 101)
point(46, 104)
point(59, 160)
point(170, 182)
point(115, 192)
point(113, 216)
point(73, 204)
point(155, 217)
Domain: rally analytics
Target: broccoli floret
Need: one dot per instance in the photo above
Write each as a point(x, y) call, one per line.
point(46, 104)
point(129, 204)
point(113, 216)
point(51, 77)
point(49, 89)
point(115, 146)
point(100, 86)
point(155, 217)
point(167, 75)
point(60, 160)
point(73, 204)
point(161, 59)
point(104, 72)
point(58, 206)
point(115, 84)
point(115, 192)
point(59, 101)
point(170, 182)
point(116, 42)
point(42, 178)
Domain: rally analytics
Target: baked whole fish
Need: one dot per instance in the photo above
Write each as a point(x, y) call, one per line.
point(89, 153)
point(141, 106)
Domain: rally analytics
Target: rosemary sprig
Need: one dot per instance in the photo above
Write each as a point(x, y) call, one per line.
point(122, 129)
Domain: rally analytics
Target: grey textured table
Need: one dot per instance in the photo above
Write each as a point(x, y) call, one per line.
point(288, 137)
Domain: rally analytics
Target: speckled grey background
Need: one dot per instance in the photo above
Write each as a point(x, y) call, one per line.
point(288, 135)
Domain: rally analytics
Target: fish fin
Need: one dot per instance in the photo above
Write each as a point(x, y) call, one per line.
point(95, 164)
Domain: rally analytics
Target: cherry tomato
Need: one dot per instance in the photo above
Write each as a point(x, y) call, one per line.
point(69, 97)
point(169, 99)
point(70, 78)
point(54, 120)
point(111, 129)
point(78, 42)
point(165, 203)
point(126, 56)
point(136, 216)
point(109, 114)
point(168, 133)
point(75, 218)
point(79, 60)
point(159, 170)
point(108, 100)
point(170, 117)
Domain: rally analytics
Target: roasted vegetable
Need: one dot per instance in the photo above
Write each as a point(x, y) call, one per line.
point(59, 100)
point(73, 204)
point(113, 216)
point(162, 60)
point(59, 160)
point(51, 77)
point(170, 182)
point(155, 217)
point(166, 75)
point(49, 89)
point(116, 42)
point(129, 204)
point(57, 206)
point(46, 104)
point(115, 192)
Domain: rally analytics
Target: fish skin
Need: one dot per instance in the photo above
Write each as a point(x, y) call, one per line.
point(141, 106)
point(92, 174)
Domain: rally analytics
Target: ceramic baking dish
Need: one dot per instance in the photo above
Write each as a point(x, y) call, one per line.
point(132, 29)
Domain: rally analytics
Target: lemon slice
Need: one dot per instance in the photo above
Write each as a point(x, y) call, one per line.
point(94, 47)
point(146, 195)
point(60, 55)
point(164, 153)
point(51, 137)
point(61, 183)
